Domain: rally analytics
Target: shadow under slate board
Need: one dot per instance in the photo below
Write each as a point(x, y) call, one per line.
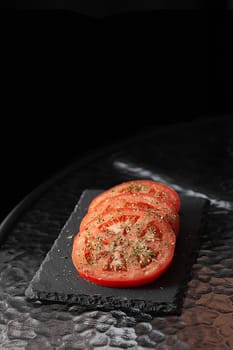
point(57, 280)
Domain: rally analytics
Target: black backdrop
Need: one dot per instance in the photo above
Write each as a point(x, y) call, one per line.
point(73, 82)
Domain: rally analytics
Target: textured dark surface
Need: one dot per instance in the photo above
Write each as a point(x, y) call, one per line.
point(57, 279)
point(197, 160)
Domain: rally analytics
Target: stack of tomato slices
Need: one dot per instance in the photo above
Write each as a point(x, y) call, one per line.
point(128, 236)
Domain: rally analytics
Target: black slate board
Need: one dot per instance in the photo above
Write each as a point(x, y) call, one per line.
point(57, 280)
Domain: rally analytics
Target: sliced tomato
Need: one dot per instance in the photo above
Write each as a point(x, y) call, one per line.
point(143, 202)
point(124, 250)
point(159, 190)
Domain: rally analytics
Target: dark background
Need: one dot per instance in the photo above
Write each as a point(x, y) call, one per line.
point(73, 82)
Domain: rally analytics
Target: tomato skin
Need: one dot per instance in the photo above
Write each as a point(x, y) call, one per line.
point(124, 250)
point(142, 202)
point(157, 189)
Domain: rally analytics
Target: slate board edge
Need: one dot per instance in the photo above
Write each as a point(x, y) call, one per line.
point(99, 302)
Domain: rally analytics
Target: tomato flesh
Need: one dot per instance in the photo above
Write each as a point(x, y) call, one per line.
point(124, 250)
point(157, 189)
point(144, 202)
point(128, 236)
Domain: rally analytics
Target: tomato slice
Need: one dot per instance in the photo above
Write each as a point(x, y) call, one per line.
point(159, 190)
point(124, 250)
point(144, 202)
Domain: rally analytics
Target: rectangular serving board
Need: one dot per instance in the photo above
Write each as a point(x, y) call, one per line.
point(57, 280)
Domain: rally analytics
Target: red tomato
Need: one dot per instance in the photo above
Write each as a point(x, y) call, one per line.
point(143, 202)
point(159, 190)
point(124, 250)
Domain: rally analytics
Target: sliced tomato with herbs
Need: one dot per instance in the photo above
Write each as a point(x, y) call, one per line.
point(124, 250)
point(144, 202)
point(159, 190)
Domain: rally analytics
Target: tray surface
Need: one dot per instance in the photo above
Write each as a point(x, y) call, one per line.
point(197, 160)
